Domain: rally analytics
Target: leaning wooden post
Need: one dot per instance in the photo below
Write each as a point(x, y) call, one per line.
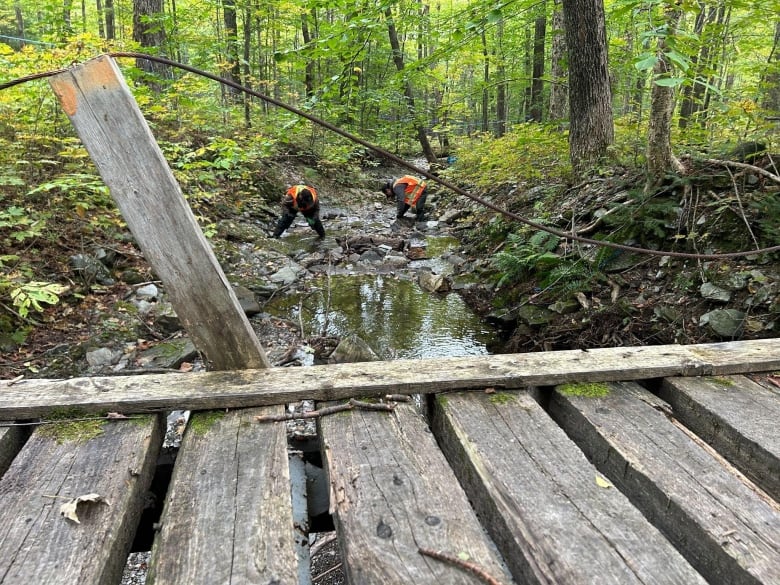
point(98, 102)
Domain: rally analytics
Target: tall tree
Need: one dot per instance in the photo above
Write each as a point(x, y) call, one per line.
point(660, 158)
point(19, 20)
point(398, 59)
point(590, 98)
point(101, 25)
point(149, 33)
point(232, 66)
point(67, 7)
point(537, 83)
point(501, 84)
point(772, 76)
point(485, 81)
point(559, 92)
point(110, 20)
point(693, 94)
point(308, 80)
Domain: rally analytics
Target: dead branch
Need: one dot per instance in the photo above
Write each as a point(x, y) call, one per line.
point(475, 570)
point(352, 404)
point(739, 165)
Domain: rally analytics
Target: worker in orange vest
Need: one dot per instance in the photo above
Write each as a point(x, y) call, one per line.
point(409, 192)
point(301, 198)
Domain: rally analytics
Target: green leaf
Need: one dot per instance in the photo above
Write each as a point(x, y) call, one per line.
point(647, 63)
point(669, 81)
point(678, 59)
point(495, 16)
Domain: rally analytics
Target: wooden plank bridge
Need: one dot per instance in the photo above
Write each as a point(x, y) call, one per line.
point(617, 479)
point(645, 465)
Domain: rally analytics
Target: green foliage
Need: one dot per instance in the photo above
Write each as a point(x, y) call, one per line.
point(648, 218)
point(525, 254)
point(79, 192)
point(768, 217)
point(529, 153)
point(30, 295)
point(18, 225)
point(20, 294)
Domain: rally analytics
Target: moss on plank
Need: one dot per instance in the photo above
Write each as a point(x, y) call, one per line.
point(70, 429)
point(202, 422)
point(585, 389)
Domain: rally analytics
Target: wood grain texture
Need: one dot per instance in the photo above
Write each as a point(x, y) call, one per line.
point(725, 527)
point(228, 512)
point(37, 544)
point(120, 143)
point(539, 498)
point(738, 417)
point(392, 492)
point(236, 389)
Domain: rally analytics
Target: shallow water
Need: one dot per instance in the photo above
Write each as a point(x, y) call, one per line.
point(393, 315)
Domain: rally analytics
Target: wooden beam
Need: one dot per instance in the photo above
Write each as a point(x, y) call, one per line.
point(236, 389)
point(735, 415)
point(392, 493)
point(227, 515)
point(718, 519)
point(98, 102)
point(539, 498)
point(38, 544)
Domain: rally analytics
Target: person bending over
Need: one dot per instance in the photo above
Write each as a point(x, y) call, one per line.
point(409, 192)
point(301, 198)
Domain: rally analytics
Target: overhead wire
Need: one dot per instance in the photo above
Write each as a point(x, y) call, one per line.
point(431, 175)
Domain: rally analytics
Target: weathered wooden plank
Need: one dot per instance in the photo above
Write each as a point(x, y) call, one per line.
point(392, 492)
point(725, 527)
point(738, 417)
point(228, 513)
point(539, 498)
point(11, 440)
point(37, 544)
point(236, 389)
point(98, 102)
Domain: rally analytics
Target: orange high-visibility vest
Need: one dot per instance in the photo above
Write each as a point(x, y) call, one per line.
point(413, 188)
point(295, 190)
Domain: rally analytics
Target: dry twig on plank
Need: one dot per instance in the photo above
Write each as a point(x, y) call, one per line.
point(353, 403)
point(475, 570)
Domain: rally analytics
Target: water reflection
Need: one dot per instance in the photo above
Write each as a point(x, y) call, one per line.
point(395, 316)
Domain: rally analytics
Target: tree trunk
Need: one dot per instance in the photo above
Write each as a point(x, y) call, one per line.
point(101, 25)
point(485, 83)
point(110, 20)
point(232, 67)
point(537, 84)
point(501, 107)
point(398, 59)
point(150, 35)
point(693, 95)
point(559, 93)
point(308, 80)
point(246, 74)
point(772, 78)
point(590, 97)
point(660, 159)
point(19, 21)
point(67, 25)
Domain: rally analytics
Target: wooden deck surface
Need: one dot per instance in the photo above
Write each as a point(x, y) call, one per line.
point(668, 480)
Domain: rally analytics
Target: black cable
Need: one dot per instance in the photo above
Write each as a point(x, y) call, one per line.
point(401, 162)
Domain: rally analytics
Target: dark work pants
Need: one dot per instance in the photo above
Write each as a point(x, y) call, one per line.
point(288, 216)
point(402, 207)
